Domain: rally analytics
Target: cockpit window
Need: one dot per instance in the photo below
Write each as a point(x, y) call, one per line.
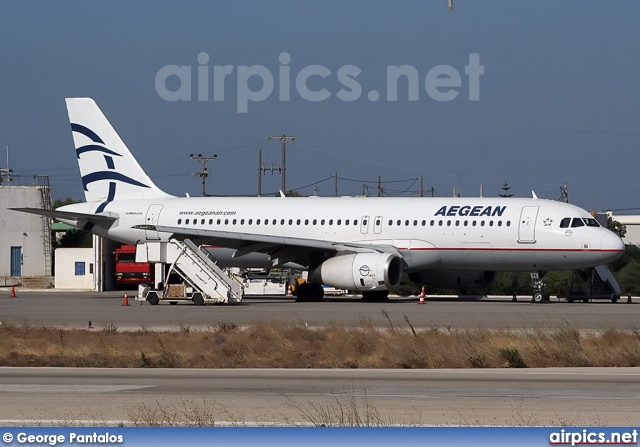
point(577, 222)
point(591, 222)
point(564, 223)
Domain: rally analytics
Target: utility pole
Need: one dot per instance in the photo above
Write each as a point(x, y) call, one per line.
point(335, 184)
point(564, 193)
point(379, 188)
point(284, 139)
point(203, 174)
point(5, 174)
point(421, 188)
point(262, 170)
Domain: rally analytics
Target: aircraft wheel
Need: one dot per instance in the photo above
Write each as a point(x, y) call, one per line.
point(538, 297)
point(380, 295)
point(317, 293)
point(303, 292)
point(614, 298)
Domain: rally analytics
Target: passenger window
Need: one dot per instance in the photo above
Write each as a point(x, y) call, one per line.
point(330, 221)
point(340, 221)
point(439, 223)
point(306, 221)
point(390, 222)
point(482, 223)
point(281, 221)
point(202, 222)
point(210, 221)
point(250, 221)
point(179, 221)
point(490, 223)
point(241, 221)
point(322, 222)
point(508, 223)
point(474, 222)
point(577, 222)
point(274, 221)
point(234, 221)
point(457, 223)
point(499, 223)
point(564, 223)
point(315, 221)
point(424, 222)
point(432, 223)
point(298, 222)
point(355, 222)
point(290, 221)
point(448, 223)
point(226, 221)
point(406, 223)
point(346, 222)
point(399, 222)
point(466, 223)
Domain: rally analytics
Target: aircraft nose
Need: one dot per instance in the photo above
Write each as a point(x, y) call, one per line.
point(612, 247)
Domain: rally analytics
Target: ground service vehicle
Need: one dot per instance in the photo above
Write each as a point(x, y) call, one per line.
point(128, 271)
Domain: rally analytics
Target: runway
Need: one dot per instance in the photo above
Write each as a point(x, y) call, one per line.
point(76, 309)
point(570, 396)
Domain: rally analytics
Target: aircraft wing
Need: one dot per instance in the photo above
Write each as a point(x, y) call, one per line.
point(282, 249)
point(66, 215)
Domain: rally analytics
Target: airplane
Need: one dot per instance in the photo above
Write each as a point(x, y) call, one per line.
point(354, 243)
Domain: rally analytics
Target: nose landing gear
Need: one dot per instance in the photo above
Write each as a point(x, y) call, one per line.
point(539, 294)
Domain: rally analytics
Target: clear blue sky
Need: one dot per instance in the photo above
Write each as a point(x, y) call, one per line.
point(559, 99)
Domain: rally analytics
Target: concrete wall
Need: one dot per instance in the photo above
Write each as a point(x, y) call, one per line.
point(21, 230)
point(75, 268)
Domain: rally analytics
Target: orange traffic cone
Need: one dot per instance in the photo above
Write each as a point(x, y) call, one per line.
point(13, 291)
point(289, 291)
point(125, 300)
point(629, 299)
point(422, 296)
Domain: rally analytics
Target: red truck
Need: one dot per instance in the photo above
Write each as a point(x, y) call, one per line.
point(128, 271)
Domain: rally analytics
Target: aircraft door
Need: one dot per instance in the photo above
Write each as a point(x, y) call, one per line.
point(153, 213)
point(527, 226)
point(377, 225)
point(364, 225)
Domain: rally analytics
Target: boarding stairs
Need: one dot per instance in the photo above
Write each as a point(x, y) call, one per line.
point(198, 271)
point(594, 283)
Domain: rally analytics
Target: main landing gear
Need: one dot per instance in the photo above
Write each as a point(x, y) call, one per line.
point(539, 294)
point(306, 292)
point(375, 296)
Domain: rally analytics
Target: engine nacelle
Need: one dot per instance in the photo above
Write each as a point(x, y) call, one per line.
point(361, 271)
point(454, 279)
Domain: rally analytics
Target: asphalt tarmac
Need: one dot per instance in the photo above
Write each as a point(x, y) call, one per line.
point(77, 309)
point(529, 397)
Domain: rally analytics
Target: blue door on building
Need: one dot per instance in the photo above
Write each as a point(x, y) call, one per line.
point(16, 261)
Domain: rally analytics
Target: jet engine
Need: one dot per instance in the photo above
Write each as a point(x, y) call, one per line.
point(360, 271)
point(454, 279)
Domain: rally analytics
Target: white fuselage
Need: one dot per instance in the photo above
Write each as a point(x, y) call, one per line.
point(429, 233)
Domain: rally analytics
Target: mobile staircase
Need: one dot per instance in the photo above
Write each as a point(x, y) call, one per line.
point(593, 283)
point(202, 280)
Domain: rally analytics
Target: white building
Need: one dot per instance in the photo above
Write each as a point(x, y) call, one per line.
point(25, 239)
point(632, 223)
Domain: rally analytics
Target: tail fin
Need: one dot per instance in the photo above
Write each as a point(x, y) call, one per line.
point(109, 171)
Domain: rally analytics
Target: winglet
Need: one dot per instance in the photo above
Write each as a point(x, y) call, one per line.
point(282, 194)
point(533, 194)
